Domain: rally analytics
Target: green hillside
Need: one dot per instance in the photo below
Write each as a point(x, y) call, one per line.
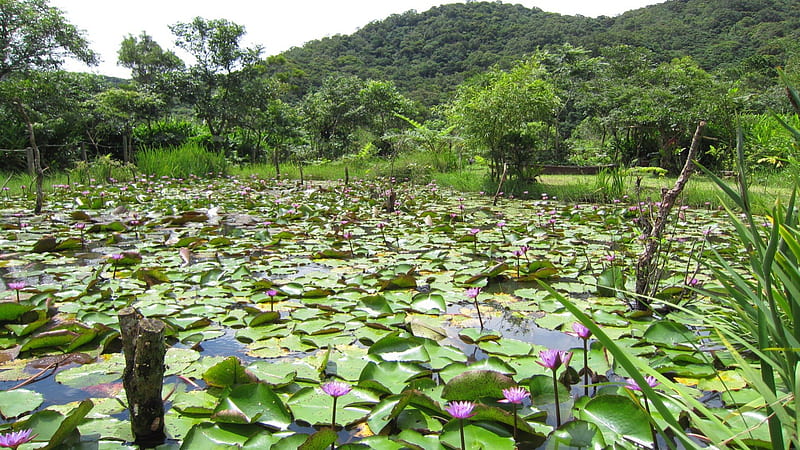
point(428, 54)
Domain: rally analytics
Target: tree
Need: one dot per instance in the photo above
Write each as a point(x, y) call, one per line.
point(508, 114)
point(149, 63)
point(332, 115)
point(569, 68)
point(219, 70)
point(434, 137)
point(43, 101)
point(34, 35)
point(123, 109)
point(651, 109)
point(382, 104)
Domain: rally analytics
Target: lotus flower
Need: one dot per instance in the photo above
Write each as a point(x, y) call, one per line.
point(515, 396)
point(461, 410)
point(335, 389)
point(16, 438)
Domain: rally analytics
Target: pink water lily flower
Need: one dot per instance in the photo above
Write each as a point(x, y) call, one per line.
point(460, 410)
point(16, 438)
point(336, 388)
point(553, 359)
point(581, 331)
point(515, 395)
point(631, 384)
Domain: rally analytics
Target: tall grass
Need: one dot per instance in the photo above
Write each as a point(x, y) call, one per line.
point(180, 162)
point(765, 304)
point(755, 317)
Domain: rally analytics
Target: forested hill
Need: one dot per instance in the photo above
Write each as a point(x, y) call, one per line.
point(427, 54)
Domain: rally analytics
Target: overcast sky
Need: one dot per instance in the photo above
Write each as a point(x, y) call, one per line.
point(275, 25)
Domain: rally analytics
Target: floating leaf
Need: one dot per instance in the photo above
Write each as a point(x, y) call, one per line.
point(394, 347)
point(474, 335)
point(313, 406)
point(611, 281)
point(619, 419)
point(17, 402)
point(428, 303)
point(577, 434)
point(481, 436)
point(45, 244)
point(477, 384)
point(222, 435)
point(53, 338)
point(669, 334)
point(402, 281)
point(252, 403)
point(266, 317)
point(12, 310)
point(227, 373)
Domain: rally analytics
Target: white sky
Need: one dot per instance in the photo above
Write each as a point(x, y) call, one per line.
point(275, 25)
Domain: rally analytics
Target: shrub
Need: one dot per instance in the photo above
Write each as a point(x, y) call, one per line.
point(166, 133)
point(103, 168)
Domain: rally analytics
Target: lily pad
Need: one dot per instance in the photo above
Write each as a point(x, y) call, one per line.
point(252, 403)
point(19, 401)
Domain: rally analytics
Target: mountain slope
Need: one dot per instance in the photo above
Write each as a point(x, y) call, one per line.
point(428, 54)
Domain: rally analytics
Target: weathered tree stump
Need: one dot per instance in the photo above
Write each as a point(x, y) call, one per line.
point(143, 378)
point(647, 268)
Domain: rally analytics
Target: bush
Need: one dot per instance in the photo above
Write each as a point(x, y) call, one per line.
point(180, 162)
point(103, 168)
point(166, 133)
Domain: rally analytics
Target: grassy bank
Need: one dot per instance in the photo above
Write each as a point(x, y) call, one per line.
point(700, 192)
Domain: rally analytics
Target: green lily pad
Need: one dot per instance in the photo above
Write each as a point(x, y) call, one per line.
point(619, 419)
point(576, 435)
point(669, 334)
point(474, 335)
point(477, 384)
point(428, 303)
point(227, 373)
point(252, 403)
point(610, 282)
point(12, 310)
point(482, 435)
point(19, 401)
point(313, 406)
point(389, 376)
point(222, 435)
point(395, 347)
point(542, 390)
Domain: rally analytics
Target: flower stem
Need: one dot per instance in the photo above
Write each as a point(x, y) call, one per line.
point(333, 422)
point(515, 421)
point(463, 446)
point(586, 367)
point(558, 405)
point(480, 319)
point(652, 426)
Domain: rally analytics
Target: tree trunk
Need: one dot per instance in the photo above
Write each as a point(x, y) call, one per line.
point(125, 149)
point(29, 160)
point(143, 378)
point(36, 156)
point(276, 160)
point(647, 275)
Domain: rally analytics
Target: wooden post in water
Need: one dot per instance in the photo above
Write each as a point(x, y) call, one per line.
point(143, 378)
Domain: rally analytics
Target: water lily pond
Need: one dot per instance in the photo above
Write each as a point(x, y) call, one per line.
point(269, 289)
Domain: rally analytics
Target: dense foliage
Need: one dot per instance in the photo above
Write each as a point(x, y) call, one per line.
point(514, 85)
point(428, 54)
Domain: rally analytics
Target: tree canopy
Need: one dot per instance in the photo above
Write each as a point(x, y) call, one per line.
point(34, 35)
